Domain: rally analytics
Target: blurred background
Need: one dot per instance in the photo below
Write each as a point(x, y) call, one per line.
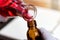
point(53, 4)
point(48, 17)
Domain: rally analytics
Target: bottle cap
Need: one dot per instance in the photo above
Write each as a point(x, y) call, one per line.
point(31, 23)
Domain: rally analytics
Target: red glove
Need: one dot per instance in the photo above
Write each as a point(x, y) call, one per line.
point(11, 7)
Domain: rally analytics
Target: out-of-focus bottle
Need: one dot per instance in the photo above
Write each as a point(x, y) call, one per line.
point(33, 32)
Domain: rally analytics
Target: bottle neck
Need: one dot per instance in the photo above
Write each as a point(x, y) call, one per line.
point(32, 24)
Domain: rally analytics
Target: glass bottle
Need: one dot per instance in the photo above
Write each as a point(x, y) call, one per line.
point(33, 32)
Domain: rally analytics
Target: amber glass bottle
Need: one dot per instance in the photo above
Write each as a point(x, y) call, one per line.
point(33, 32)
